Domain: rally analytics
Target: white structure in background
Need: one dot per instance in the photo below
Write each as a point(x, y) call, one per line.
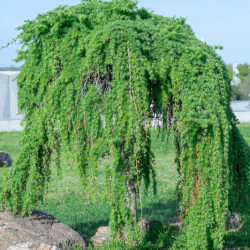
point(241, 110)
point(236, 81)
point(9, 118)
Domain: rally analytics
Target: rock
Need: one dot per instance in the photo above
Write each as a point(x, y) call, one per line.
point(5, 159)
point(175, 221)
point(33, 246)
point(101, 236)
point(233, 221)
point(37, 228)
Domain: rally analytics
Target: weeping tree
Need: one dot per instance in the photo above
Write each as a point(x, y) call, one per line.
point(94, 77)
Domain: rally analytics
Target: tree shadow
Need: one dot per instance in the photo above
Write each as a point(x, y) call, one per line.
point(160, 210)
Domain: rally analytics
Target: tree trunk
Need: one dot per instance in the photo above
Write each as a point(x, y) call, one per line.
point(132, 197)
point(131, 192)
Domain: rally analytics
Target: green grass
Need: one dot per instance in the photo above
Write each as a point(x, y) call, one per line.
point(9, 143)
point(84, 210)
point(245, 131)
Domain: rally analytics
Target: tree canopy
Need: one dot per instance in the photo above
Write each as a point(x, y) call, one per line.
point(94, 76)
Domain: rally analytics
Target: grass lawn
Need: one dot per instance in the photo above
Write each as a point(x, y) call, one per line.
point(85, 211)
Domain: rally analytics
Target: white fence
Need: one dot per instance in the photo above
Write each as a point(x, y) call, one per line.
point(9, 118)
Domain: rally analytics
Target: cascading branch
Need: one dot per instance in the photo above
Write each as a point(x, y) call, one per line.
point(94, 76)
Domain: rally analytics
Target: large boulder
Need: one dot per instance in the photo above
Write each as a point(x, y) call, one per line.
point(33, 246)
point(5, 159)
point(38, 228)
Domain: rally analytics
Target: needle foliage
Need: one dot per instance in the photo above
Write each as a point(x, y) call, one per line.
point(94, 76)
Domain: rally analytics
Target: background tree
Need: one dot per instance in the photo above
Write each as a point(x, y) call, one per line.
point(242, 91)
point(244, 70)
point(94, 76)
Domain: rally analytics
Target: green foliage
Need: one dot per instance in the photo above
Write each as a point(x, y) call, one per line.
point(86, 209)
point(69, 203)
point(94, 76)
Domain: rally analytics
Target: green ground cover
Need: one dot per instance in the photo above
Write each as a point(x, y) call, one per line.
point(85, 210)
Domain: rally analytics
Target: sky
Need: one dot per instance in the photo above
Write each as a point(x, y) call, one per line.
point(218, 22)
